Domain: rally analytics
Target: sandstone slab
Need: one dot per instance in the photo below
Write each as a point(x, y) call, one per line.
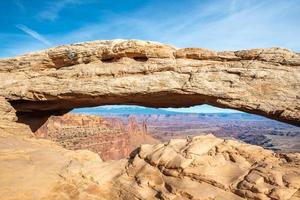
point(259, 81)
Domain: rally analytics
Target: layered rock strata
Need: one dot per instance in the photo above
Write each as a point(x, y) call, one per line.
point(111, 138)
point(259, 81)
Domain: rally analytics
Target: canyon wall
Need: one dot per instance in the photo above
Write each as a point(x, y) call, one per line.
point(111, 138)
point(259, 81)
point(253, 129)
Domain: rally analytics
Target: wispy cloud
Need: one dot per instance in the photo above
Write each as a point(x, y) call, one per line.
point(202, 109)
point(217, 25)
point(33, 34)
point(19, 4)
point(52, 11)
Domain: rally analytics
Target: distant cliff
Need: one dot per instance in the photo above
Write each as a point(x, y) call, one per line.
point(249, 128)
point(111, 138)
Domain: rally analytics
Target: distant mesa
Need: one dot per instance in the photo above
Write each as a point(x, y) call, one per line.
point(111, 138)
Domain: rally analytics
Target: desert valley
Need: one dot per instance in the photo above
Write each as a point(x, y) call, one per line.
point(115, 133)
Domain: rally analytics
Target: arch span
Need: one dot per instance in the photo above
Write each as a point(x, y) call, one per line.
point(258, 81)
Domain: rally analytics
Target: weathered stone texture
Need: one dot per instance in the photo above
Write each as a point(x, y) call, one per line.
point(260, 81)
point(202, 167)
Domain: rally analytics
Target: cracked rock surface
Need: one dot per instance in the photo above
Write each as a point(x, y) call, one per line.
point(206, 167)
point(202, 167)
point(259, 81)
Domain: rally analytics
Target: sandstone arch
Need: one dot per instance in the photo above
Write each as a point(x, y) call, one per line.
point(50, 82)
point(259, 81)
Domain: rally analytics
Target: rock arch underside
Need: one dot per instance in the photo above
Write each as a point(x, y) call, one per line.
point(54, 81)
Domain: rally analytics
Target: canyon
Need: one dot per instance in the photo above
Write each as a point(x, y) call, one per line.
point(115, 136)
point(38, 85)
point(251, 129)
point(109, 137)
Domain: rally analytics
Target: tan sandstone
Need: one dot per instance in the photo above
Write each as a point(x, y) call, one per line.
point(203, 167)
point(263, 81)
point(259, 81)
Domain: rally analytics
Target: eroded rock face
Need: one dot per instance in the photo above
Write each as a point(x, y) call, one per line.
point(111, 138)
point(206, 167)
point(259, 81)
point(8, 125)
point(40, 169)
point(203, 167)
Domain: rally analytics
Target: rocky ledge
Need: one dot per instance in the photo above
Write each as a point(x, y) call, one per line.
point(206, 167)
point(202, 167)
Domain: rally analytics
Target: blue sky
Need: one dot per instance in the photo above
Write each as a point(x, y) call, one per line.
point(28, 25)
point(139, 109)
point(202, 109)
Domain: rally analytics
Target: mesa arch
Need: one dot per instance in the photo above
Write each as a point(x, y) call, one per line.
point(56, 80)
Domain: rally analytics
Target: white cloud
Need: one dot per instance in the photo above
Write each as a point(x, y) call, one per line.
point(218, 25)
point(52, 11)
point(33, 34)
point(202, 109)
point(222, 25)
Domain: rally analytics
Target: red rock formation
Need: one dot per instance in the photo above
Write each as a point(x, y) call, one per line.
point(109, 137)
point(138, 134)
